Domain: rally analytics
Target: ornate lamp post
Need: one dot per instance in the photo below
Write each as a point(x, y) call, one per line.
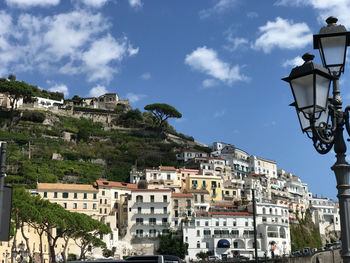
point(21, 252)
point(321, 117)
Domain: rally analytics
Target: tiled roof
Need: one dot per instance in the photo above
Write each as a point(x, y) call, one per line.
point(151, 190)
point(114, 184)
point(167, 168)
point(181, 195)
point(232, 213)
point(66, 187)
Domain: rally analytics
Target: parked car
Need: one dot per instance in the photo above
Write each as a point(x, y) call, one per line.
point(297, 253)
point(213, 258)
point(307, 251)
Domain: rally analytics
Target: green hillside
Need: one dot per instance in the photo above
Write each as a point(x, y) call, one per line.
point(46, 147)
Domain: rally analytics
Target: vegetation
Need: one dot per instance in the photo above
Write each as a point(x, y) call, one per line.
point(171, 245)
point(44, 217)
point(162, 112)
point(305, 234)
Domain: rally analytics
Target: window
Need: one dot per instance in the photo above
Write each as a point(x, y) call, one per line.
point(75, 195)
point(152, 221)
point(206, 232)
point(139, 209)
point(198, 223)
point(234, 223)
point(152, 198)
point(224, 223)
point(103, 192)
point(105, 210)
point(164, 221)
point(115, 195)
point(139, 199)
point(188, 203)
point(94, 206)
point(195, 198)
point(235, 244)
point(85, 195)
point(168, 176)
point(139, 232)
point(165, 210)
point(105, 201)
point(176, 203)
point(217, 223)
point(45, 194)
point(152, 210)
point(139, 221)
point(65, 205)
point(55, 195)
point(165, 198)
point(246, 223)
point(202, 198)
point(85, 206)
point(176, 213)
point(152, 233)
point(206, 223)
point(75, 205)
point(198, 244)
point(198, 233)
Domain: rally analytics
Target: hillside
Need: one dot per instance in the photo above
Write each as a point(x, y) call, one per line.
point(45, 146)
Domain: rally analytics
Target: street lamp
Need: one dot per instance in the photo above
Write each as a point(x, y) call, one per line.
point(21, 252)
point(321, 117)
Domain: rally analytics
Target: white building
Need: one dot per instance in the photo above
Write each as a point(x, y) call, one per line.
point(189, 154)
point(149, 216)
point(48, 103)
point(260, 165)
point(238, 160)
point(229, 233)
point(162, 175)
point(325, 214)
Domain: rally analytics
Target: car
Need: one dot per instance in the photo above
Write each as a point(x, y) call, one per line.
point(213, 258)
point(307, 251)
point(154, 259)
point(297, 253)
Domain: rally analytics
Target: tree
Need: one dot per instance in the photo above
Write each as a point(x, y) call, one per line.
point(162, 112)
point(170, 245)
point(87, 237)
point(16, 90)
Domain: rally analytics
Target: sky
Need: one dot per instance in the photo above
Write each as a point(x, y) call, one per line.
point(219, 62)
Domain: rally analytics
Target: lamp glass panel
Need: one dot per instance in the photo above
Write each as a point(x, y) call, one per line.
point(304, 93)
point(322, 90)
point(305, 123)
point(333, 51)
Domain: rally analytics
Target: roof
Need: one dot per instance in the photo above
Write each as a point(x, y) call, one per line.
point(151, 190)
point(181, 195)
point(67, 187)
point(232, 213)
point(194, 151)
point(114, 184)
point(167, 168)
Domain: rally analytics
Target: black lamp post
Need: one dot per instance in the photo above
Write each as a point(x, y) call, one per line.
point(321, 117)
point(21, 252)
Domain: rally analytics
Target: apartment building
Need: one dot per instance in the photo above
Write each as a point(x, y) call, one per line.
point(325, 214)
point(238, 160)
point(260, 165)
point(166, 175)
point(183, 207)
point(226, 234)
point(149, 216)
point(210, 183)
point(189, 154)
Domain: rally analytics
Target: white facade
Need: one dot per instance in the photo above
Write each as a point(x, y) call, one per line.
point(259, 165)
point(325, 214)
point(48, 103)
point(190, 154)
point(273, 234)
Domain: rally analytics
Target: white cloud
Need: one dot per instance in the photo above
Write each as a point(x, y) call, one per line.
point(337, 8)
point(219, 113)
point(209, 83)
point(220, 7)
point(132, 97)
point(206, 60)
point(146, 76)
point(283, 34)
point(32, 3)
point(97, 91)
point(95, 3)
point(236, 43)
point(135, 3)
point(297, 61)
point(77, 42)
point(60, 88)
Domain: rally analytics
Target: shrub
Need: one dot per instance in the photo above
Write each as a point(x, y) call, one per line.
point(33, 116)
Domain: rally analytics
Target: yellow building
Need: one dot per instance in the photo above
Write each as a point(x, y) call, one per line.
point(212, 183)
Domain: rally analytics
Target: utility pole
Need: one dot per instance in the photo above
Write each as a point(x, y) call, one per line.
point(254, 223)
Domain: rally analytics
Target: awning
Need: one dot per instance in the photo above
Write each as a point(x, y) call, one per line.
point(223, 243)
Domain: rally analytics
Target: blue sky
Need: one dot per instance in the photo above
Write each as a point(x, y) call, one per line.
point(219, 62)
